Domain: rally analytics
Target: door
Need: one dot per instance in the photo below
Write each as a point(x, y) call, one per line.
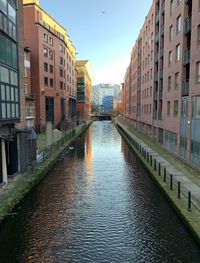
point(12, 156)
point(49, 102)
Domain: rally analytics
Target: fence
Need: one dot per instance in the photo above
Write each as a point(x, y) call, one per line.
point(45, 153)
point(169, 178)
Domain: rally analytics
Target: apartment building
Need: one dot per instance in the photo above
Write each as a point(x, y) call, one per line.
point(84, 88)
point(53, 67)
point(168, 82)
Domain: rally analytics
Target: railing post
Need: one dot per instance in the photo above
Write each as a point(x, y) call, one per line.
point(165, 175)
point(171, 182)
point(155, 164)
point(151, 160)
point(189, 201)
point(159, 169)
point(179, 190)
point(148, 157)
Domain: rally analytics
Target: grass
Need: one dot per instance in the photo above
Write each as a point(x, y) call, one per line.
point(171, 158)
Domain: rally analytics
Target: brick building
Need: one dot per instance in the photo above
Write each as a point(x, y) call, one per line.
point(84, 88)
point(167, 77)
point(52, 67)
point(14, 136)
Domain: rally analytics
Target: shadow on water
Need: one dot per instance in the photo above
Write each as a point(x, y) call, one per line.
point(97, 205)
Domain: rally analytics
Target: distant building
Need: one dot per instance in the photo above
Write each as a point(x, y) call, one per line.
point(100, 91)
point(107, 103)
point(53, 67)
point(84, 88)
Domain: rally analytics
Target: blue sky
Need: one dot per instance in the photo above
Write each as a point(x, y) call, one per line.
point(103, 31)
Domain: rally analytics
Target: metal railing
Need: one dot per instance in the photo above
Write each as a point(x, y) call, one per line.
point(185, 88)
point(186, 56)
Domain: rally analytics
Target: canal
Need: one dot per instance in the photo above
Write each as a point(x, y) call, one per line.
point(97, 205)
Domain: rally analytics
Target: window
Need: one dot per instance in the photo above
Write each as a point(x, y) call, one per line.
point(50, 55)
point(3, 6)
point(12, 13)
point(61, 61)
point(51, 82)
point(8, 51)
point(170, 33)
point(169, 83)
point(184, 111)
point(178, 53)
point(175, 108)
point(46, 38)
point(45, 67)
point(168, 108)
point(45, 52)
point(170, 58)
point(171, 6)
point(25, 90)
point(46, 81)
point(178, 24)
point(198, 35)
point(176, 86)
point(61, 84)
point(51, 41)
point(198, 72)
point(196, 107)
point(61, 73)
point(51, 69)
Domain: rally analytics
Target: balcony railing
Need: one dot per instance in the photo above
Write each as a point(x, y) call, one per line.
point(162, 30)
point(155, 115)
point(160, 94)
point(161, 74)
point(188, 24)
point(185, 88)
point(186, 56)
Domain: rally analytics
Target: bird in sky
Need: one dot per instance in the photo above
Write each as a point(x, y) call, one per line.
point(103, 12)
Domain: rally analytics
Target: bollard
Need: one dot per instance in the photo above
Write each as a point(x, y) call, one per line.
point(151, 160)
point(159, 169)
point(171, 182)
point(148, 157)
point(179, 190)
point(189, 201)
point(155, 164)
point(165, 175)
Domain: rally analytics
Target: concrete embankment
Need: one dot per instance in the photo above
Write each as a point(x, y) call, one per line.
point(182, 193)
point(18, 188)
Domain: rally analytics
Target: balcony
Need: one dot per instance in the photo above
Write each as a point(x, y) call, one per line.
point(157, 37)
point(162, 30)
point(156, 57)
point(187, 25)
point(185, 88)
point(156, 76)
point(160, 115)
point(163, 8)
point(161, 52)
point(157, 18)
point(160, 94)
point(161, 74)
point(186, 56)
point(155, 115)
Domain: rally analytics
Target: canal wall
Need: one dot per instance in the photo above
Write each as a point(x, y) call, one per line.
point(180, 191)
point(16, 190)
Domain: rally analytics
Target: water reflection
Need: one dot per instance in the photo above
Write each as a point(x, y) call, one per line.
point(97, 205)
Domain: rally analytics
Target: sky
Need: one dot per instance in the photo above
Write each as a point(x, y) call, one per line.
point(103, 31)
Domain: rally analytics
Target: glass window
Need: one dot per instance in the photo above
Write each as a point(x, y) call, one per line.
point(17, 110)
point(175, 108)
point(13, 78)
point(170, 33)
point(8, 93)
point(176, 80)
point(184, 107)
point(3, 110)
point(8, 110)
point(178, 24)
point(45, 51)
point(3, 6)
point(2, 48)
point(14, 55)
point(8, 52)
point(16, 95)
point(13, 110)
point(196, 107)
point(198, 72)
point(4, 74)
point(12, 94)
point(178, 53)
point(12, 13)
point(3, 92)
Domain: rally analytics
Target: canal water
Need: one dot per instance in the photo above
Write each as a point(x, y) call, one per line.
point(97, 205)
